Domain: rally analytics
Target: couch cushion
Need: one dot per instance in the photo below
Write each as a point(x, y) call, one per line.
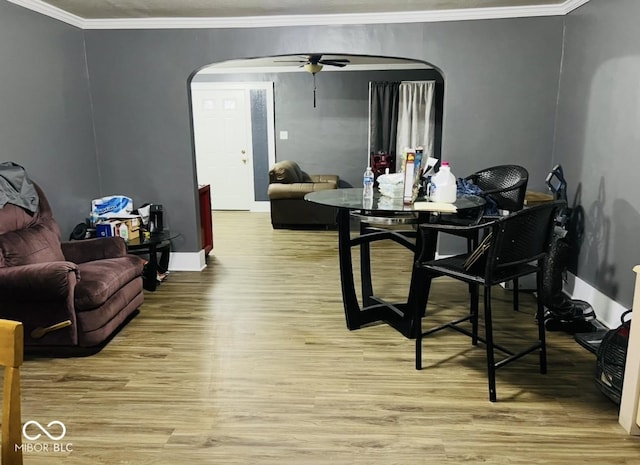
point(100, 279)
point(36, 244)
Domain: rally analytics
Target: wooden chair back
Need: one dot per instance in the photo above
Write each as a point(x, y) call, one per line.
point(11, 358)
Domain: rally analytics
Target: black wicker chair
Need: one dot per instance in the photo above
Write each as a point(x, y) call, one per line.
point(506, 185)
point(514, 246)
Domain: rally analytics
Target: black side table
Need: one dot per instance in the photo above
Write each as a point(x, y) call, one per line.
point(151, 245)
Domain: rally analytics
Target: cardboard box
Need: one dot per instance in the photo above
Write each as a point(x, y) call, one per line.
point(133, 225)
point(106, 229)
point(535, 198)
point(409, 177)
point(112, 227)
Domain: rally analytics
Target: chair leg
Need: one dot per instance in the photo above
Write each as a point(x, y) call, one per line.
point(516, 298)
point(488, 325)
point(419, 350)
point(417, 323)
point(475, 296)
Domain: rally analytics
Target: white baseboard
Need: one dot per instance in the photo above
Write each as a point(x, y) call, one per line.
point(263, 206)
point(608, 311)
point(187, 261)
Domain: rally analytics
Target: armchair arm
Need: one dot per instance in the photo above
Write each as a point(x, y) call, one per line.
point(296, 190)
point(38, 282)
point(94, 249)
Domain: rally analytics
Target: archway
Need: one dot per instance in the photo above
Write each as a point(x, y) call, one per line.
point(330, 136)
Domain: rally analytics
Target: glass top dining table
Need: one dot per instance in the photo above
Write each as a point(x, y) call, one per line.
point(352, 199)
point(375, 217)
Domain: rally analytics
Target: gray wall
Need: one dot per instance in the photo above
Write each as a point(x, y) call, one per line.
point(260, 143)
point(598, 139)
point(501, 81)
point(45, 112)
point(500, 106)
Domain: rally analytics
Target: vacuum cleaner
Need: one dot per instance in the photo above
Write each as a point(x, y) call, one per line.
point(563, 313)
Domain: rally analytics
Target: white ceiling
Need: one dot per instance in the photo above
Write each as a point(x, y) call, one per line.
point(256, 13)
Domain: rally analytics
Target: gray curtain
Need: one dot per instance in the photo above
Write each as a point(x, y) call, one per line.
point(384, 98)
point(416, 117)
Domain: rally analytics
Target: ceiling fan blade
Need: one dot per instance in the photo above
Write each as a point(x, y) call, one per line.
point(338, 60)
point(332, 63)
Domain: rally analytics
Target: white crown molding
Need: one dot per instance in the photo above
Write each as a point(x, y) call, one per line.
point(51, 11)
point(322, 20)
point(303, 20)
point(569, 5)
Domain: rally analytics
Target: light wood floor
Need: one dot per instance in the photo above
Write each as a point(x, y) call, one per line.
point(250, 362)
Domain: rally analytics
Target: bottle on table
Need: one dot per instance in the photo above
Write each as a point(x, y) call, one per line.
point(443, 187)
point(367, 183)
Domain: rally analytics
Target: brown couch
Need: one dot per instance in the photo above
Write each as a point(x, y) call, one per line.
point(87, 288)
point(288, 185)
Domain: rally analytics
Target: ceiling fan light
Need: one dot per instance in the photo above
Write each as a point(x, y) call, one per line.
point(312, 68)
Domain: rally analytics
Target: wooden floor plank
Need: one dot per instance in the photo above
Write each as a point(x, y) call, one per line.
point(250, 362)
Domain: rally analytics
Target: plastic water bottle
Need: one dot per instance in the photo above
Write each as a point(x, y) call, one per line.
point(367, 183)
point(443, 185)
point(123, 231)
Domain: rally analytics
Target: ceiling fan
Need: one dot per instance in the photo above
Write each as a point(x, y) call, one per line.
point(314, 63)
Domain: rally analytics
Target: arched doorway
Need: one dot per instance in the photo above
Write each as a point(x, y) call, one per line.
point(319, 119)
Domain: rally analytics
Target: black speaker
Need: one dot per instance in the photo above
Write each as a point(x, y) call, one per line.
point(79, 232)
point(156, 220)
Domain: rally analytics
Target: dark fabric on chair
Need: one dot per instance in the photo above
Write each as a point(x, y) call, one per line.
point(516, 247)
point(288, 172)
point(288, 185)
point(44, 281)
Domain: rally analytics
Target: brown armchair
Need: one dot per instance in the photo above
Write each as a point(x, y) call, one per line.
point(288, 185)
point(66, 294)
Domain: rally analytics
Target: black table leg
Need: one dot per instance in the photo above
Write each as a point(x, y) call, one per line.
point(150, 274)
point(400, 316)
point(349, 297)
point(420, 282)
point(151, 270)
point(365, 268)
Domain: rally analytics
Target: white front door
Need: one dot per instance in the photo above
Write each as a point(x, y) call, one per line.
point(222, 138)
